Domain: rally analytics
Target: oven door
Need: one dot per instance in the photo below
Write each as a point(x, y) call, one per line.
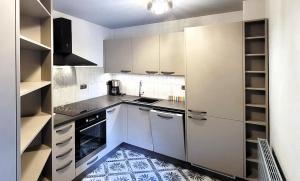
point(89, 141)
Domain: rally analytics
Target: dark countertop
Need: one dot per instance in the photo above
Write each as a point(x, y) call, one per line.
point(105, 102)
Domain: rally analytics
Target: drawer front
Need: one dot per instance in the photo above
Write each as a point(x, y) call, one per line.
point(64, 132)
point(87, 164)
point(64, 169)
point(64, 153)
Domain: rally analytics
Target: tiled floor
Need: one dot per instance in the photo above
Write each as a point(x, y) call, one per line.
point(127, 165)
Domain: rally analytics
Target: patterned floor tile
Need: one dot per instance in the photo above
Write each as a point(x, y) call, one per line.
point(94, 179)
point(117, 167)
point(172, 175)
point(124, 177)
point(128, 165)
point(140, 165)
point(99, 171)
point(117, 156)
point(192, 176)
point(150, 176)
point(133, 155)
point(162, 165)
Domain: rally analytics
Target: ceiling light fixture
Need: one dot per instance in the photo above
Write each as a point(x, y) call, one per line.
point(159, 7)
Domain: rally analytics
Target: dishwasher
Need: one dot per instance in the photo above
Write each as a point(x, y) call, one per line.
point(168, 133)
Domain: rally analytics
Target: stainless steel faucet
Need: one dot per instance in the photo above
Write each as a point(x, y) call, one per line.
point(140, 89)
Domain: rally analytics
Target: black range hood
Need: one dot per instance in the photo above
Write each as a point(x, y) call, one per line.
point(63, 54)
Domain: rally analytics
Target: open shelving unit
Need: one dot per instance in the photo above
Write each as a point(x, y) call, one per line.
point(256, 91)
point(35, 88)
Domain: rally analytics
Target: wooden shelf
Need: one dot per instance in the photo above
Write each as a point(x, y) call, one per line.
point(30, 127)
point(256, 105)
point(255, 72)
point(255, 37)
point(33, 163)
point(34, 8)
point(256, 55)
point(28, 87)
point(260, 123)
point(27, 43)
point(255, 89)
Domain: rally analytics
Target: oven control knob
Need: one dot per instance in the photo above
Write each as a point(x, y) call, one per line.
point(87, 120)
point(97, 116)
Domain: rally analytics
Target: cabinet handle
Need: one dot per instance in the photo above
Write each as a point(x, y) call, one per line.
point(64, 167)
point(91, 162)
point(64, 154)
point(197, 112)
point(151, 72)
point(125, 71)
point(168, 73)
point(112, 110)
point(64, 142)
point(199, 119)
point(66, 129)
point(165, 117)
point(143, 109)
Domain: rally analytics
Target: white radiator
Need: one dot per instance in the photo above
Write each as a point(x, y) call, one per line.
point(267, 168)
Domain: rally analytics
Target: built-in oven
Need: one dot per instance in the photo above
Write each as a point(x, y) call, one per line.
point(90, 136)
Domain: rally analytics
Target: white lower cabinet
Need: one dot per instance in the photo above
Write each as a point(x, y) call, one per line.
point(168, 134)
point(63, 155)
point(139, 128)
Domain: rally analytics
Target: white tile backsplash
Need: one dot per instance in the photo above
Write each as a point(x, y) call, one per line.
point(156, 86)
point(67, 81)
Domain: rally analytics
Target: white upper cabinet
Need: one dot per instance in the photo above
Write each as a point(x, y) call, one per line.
point(172, 54)
point(145, 52)
point(118, 56)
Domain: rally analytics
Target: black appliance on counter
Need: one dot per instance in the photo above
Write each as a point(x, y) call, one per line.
point(113, 87)
point(63, 54)
point(90, 136)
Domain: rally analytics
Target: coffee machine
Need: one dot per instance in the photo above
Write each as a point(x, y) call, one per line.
point(113, 87)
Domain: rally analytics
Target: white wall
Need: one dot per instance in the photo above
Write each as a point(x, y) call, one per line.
point(176, 25)
point(254, 9)
point(87, 38)
point(284, 28)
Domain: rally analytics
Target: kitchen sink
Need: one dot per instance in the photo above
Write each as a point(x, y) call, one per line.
point(146, 100)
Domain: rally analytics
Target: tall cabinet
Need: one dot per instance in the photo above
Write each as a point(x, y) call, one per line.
point(214, 80)
point(35, 75)
point(256, 91)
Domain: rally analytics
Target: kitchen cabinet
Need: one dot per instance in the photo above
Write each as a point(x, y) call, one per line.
point(63, 156)
point(168, 134)
point(172, 60)
point(215, 70)
point(118, 56)
point(114, 127)
point(214, 79)
point(216, 144)
point(139, 129)
point(145, 55)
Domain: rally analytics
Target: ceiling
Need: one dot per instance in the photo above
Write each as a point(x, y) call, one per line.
point(124, 13)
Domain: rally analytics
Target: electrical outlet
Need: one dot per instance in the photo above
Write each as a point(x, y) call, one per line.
point(83, 86)
point(183, 87)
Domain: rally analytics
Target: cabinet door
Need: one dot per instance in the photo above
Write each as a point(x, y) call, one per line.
point(139, 130)
point(216, 144)
point(215, 70)
point(146, 55)
point(118, 56)
point(114, 122)
point(172, 60)
point(168, 134)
